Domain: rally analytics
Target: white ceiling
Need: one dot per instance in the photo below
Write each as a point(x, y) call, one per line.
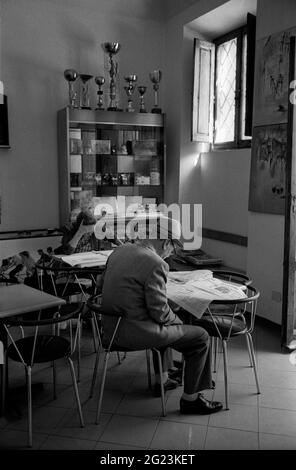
point(227, 17)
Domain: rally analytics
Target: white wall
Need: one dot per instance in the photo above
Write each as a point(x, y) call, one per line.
point(40, 39)
point(220, 181)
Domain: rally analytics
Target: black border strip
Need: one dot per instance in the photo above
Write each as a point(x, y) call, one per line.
point(225, 237)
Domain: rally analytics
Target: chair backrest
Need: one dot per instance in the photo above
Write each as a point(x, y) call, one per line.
point(94, 304)
point(243, 309)
point(58, 279)
point(40, 323)
point(232, 276)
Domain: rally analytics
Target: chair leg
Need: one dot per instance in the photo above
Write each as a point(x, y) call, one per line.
point(79, 334)
point(225, 361)
point(93, 327)
point(250, 341)
point(76, 391)
point(29, 393)
point(99, 407)
point(214, 345)
point(249, 350)
point(119, 358)
point(148, 368)
point(95, 373)
point(54, 377)
point(4, 382)
point(161, 382)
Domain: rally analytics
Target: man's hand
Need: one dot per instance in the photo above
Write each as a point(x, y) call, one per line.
point(83, 229)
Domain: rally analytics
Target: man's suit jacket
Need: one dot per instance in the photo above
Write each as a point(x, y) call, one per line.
point(135, 285)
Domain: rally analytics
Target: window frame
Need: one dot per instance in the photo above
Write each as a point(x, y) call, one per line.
point(238, 142)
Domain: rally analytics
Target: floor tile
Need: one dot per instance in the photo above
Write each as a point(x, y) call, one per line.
point(65, 443)
point(241, 417)
point(111, 446)
point(15, 439)
point(44, 419)
point(144, 404)
point(277, 378)
point(69, 426)
point(229, 439)
point(275, 361)
point(111, 400)
point(130, 431)
point(238, 394)
point(281, 422)
point(284, 399)
point(237, 374)
point(276, 442)
point(172, 435)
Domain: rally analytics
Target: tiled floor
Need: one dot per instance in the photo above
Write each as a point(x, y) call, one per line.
point(131, 414)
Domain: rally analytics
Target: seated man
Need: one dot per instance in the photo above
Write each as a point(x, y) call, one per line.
point(135, 284)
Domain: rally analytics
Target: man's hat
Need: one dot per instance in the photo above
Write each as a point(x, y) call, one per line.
point(159, 227)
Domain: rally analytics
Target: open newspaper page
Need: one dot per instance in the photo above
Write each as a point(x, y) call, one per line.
point(195, 290)
point(86, 259)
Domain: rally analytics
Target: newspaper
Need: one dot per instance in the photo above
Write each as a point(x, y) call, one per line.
point(86, 259)
point(195, 290)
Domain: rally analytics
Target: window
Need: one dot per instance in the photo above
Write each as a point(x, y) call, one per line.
point(230, 90)
point(223, 89)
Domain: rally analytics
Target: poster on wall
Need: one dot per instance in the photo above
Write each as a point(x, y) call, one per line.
point(268, 169)
point(272, 76)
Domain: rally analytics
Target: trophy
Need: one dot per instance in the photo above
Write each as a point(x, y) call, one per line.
point(142, 91)
point(130, 79)
point(71, 75)
point(112, 48)
point(84, 97)
point(155, 78)
point(100, 82)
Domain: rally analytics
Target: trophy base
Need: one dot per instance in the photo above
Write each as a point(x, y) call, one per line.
point(85, 107)
point(156, 111)
point(113, 108)
point(143, 111)
point(100, 109)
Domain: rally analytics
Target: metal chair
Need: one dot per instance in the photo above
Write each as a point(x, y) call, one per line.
point(38, 347)
point(236, 278)
point(238, 319)
point(108, 348)
point(66, 282)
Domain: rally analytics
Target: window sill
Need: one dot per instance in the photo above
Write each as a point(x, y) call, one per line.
point(231, 146)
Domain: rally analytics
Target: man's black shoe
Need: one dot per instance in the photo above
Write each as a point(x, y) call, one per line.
point(200, 406)
point(168, 385)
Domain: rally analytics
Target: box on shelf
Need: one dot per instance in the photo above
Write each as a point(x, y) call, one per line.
point(141, 180)
point(145, 147)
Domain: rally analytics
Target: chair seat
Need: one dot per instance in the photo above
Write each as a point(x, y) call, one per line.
point(47, 313)
point(48, 348)
point(224, 324)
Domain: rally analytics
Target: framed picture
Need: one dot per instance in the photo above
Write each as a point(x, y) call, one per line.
point(268, 169)
point(272, 77)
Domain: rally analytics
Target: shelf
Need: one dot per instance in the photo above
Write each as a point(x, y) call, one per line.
point(129, 185)
point(90, 116)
